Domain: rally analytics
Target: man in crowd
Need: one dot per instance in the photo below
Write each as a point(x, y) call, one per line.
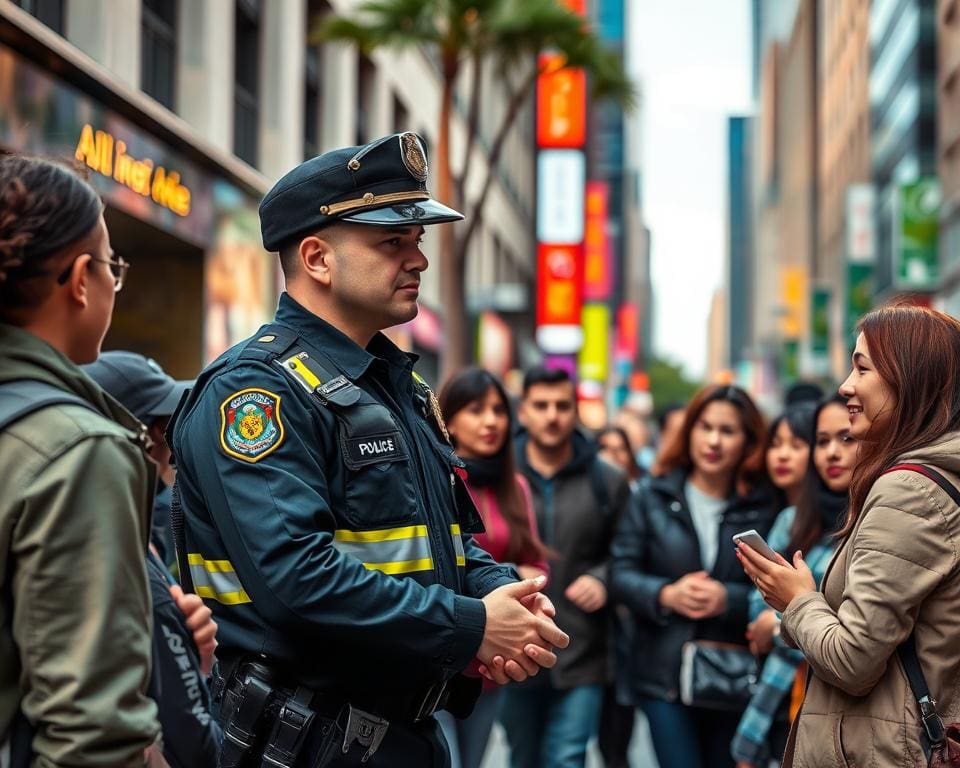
point(577, 497)
point(326, 521)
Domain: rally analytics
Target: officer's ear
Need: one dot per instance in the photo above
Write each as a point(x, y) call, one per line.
point(316, 258)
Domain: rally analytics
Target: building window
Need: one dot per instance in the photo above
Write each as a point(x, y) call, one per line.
point(365, 76)
point(401, 115)
point(246, 80)
point(159, 50)
point(49, 12)
point(311, 103)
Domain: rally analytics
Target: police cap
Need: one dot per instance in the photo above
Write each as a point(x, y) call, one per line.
point(383, 183)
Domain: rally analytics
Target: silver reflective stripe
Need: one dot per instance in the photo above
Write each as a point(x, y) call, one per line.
point(216, 580)
point(392, 550)
point(458, 544)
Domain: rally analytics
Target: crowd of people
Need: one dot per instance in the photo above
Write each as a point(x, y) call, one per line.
point(633, 593)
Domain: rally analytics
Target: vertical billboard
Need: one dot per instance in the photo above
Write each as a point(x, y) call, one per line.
point(561, 94)
point(861, 256)
point(559, 298)
point(597, 248)
point(916, 224)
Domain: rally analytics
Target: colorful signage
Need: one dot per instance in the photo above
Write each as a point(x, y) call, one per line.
point(597, 248)
point(103, 153)
point(793, 295)
point(916, 224)
point(861, 233)
point(559, 298)
point(560, 197)
point(561, 104)
point(628, 331)
point(820, 323)
point(594, 359)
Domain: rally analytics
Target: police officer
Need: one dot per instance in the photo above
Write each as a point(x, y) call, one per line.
point(325, 517)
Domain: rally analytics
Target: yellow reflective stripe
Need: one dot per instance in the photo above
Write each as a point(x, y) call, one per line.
point(402, 566)
point(307, 378)
point(216, 580)
point(384, 534)
point(458, 544)
point(227, 598)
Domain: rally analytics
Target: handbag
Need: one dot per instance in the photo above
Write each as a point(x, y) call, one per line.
point(721, 676)
point(940, 742)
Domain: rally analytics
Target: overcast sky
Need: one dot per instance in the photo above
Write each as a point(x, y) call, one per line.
point(692, 59)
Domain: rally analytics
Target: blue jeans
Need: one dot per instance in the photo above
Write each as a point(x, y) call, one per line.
point(689, 737)
point(468, 738)
point(549, 728)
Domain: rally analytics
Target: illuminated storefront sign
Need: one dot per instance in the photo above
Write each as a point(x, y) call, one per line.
point(561, 104)
point(103, 153)
point(597, 256)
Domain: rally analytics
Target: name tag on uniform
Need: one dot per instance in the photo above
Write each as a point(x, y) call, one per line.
point(374, 449)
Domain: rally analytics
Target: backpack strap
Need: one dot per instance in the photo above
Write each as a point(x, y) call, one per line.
point(932, 722)
point(21, 397)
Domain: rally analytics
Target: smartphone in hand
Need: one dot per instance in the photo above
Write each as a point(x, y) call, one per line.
point(755, 541)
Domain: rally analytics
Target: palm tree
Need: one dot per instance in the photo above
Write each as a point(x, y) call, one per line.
point(464, 34)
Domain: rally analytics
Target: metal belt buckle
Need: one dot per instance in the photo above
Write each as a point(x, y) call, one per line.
point(431, 701)
point(366, 729)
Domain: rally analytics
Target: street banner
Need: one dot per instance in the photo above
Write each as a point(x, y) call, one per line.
point(561, 104)
point(594, 361)
point(559, 298)
point(916, 262)
point(597, 248)
point(561, 174)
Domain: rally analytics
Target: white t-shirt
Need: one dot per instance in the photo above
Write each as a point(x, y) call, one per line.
point(706, 512)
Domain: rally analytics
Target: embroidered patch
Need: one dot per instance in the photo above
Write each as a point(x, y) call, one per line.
point(374, 449)
point(250, 426)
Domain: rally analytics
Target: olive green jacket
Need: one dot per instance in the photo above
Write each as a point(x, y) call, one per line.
point(76, 491)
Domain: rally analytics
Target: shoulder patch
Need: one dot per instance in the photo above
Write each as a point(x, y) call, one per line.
point(250, 425)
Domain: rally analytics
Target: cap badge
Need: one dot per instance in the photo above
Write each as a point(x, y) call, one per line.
point(414, 158)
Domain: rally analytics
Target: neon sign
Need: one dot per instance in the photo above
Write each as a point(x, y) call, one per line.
point(107, 155)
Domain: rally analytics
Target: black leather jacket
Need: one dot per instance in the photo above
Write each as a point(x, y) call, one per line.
point(654, 546)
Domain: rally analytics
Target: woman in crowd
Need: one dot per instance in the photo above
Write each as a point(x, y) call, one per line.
point(788, 452)
point(673, 566)
point(75, 491)
point(896, 574)
point(477, 412)
point(615, 447)
point(810, 527)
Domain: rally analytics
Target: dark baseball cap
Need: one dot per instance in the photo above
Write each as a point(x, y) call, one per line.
point(383, 183)
point(138, 383)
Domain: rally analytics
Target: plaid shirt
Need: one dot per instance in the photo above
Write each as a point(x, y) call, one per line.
point(750, 742)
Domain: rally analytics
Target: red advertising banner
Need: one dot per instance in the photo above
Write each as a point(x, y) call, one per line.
point(596, 243)
point(559, 284)
point(561, 104)
point(628, 331)
point(577, 6)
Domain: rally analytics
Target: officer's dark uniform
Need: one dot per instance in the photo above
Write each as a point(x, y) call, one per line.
point(326, 522)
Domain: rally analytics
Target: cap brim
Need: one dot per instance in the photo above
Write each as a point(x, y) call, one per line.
point(171, 400)
point(422, 212)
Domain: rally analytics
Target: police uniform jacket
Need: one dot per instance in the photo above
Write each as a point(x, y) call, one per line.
point(330, 534)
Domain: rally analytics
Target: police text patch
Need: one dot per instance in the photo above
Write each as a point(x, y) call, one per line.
point(250, 426)
point(374, 449)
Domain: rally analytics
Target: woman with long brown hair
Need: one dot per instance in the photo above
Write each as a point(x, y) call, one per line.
point(895, 580)
point(673, 567)
point(479, 420)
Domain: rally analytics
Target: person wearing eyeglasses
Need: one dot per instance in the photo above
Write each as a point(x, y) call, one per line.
point(76, 490)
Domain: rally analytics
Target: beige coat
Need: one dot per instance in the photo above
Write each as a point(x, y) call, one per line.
point(898, 570)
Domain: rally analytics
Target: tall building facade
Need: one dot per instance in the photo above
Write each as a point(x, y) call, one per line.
point(948, 147)
point(903, 107)
point(844, 70)
point(739, 274)
point(223, 98)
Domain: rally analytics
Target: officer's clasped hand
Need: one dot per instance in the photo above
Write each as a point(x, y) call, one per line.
point(520, 634)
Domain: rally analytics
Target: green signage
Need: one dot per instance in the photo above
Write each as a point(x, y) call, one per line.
point(820, 321)
point(859, 297)
point(916, 223)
